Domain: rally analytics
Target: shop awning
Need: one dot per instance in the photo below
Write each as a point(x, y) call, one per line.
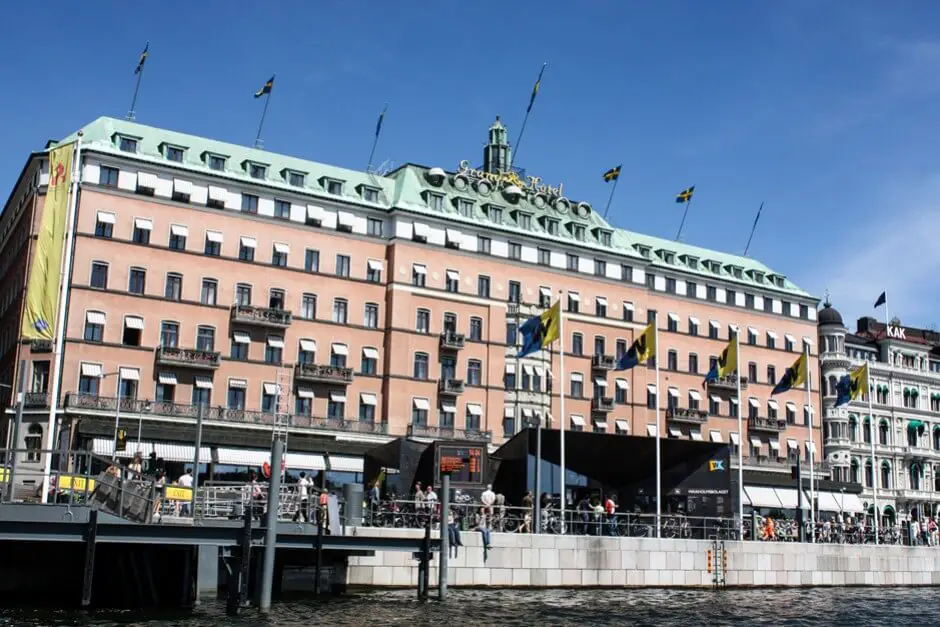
point(762, 497)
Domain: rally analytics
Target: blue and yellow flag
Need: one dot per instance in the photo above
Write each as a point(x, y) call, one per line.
point(727, 363)
point(535, 88)
point(612, 174)
point(852, 386)
point(143, 59)
point(540, 331)
point(266, 88)
point(795, 376)
point(643, 349)
point(45, 272)
point(685, 195)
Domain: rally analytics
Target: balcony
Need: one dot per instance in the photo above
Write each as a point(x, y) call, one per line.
point(906, 494)
point(781, 463)
point(602, 404)
point(523, 309)
point(316, 373)
point(261, 316)
point(527, 397)
point(449, 433)
point(686, 415)
point(187, 358)
point(41, 346)
point(452, 341)
point(450, 387)
point(603, 362)
point(770, 425)
point(728, 383)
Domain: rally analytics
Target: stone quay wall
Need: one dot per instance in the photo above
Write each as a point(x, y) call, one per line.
point(538, 561)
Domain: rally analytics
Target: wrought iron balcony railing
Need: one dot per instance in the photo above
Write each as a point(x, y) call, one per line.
point(450, 387)
point(321, 373)
point(602, 404)
point(729, 382)
point(452, 341)
point(261, 316)
point(684, 414)
point(449, 433)
point(603, 362)
point(187, 357)
point(761, 423)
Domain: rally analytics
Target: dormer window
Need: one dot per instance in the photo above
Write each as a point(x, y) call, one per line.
point(779, 280)
point(524, 220)
point(332, 186)
point(173, 153)
point(576, 230)
point(294, 178)
point(758, 276)
point(369, 194)
point(604, 237)
point(255, 170)
point(736, 271)
point(435, 201)
point(691, 262)
point(667, 256)
point(494, 213)
point(214, 162)
point(464, 207)
point(550, 225)
point(127, 144)
point(643, 250)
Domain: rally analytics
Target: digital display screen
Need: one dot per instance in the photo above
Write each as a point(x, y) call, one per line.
point(464, 463)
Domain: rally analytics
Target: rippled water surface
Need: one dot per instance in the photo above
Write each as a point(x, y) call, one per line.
point(820, 606)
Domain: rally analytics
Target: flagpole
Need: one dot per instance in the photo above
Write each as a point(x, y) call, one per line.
point(258, 142)
point(611, 197)
point(684, 214)
point(812, 446)
point(375, 140)
point(561, 377)
point(737, 370)
point(874, 476)
point(887, 319)
point(753, 228)
point(525, 119)
point(64, 285)
point(659, 467)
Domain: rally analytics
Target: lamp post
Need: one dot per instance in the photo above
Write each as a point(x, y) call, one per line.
point(18, 421)
point(536, 422)
point(117, 410)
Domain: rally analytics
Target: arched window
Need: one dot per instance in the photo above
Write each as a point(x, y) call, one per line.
point(911, 436)
point(885, 475)
point(883, 431)
point(853, 428)
point(915, 476)
point(855, 477)
point(33, 442)
point(869, 477)
point(866, 429)
point(936, 438)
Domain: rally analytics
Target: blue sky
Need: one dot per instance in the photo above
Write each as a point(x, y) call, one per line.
point(824, 110)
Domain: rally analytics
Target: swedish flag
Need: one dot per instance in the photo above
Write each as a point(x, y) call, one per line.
point(795, 376)
point(685, 195)
point(642, 349)
point(535, 88)
point(266, 88)
point(727, 363)
point(612, 174)
point(540, 331)
point(852, 386)
point(143, 59)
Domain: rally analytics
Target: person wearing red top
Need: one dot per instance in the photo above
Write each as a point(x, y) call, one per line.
point(611, 509)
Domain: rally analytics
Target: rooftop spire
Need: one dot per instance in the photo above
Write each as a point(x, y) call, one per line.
point(497, 153)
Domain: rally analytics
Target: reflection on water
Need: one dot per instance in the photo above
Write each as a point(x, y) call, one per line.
point(818, 606)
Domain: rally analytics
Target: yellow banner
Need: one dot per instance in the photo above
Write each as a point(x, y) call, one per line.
point(74, 483)
point(178, 494)
point(42, 291)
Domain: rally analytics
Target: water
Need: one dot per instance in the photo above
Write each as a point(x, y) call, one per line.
point(818, 606)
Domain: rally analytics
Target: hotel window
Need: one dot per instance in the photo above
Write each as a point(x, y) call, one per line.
point(650, 316)
point(142, 228)
point(334, 187)
point(804, 312)
point(137, 281)
point(374, 227)
point(627, 311)
point(650, 281)
point(672, 323)
point(621, 348)
point(340, 309)
point(600, 267)
point(670, 285)
point(483, 286)
point(436, 202)
point(771, 375)
point(672, 360)
point(246, 248)
point(578, 232)
point(213, 244)
point(273, 350)
point(577, 385)
point(600, 307)
point(693, 363)
point(693, 326)
point(178, 234)
point(279, 252)
point(370, 194)
point(574, 302)
point(368, 362)
point(306, 351)
point(714, 405)
point(545, 297)
point(215, 162)
point(512, 333)
point(338, 354)
point(241, 342)
point(108, 177)
point(249, 203)
point(367, 404)
point(620, 391)
point(420, 370)
point(626, 273)
point(551, 225)
point(752, 372)
point(495, 214)
point(749, 301)
point(768, 305)
point(311, 260)
point(419, 412)
point(452, 281)
point(785, 308)
point(651, 397)
point(545, 257)
point(525, 221)
point(166, 388)
point(604, 237)
point(691, 289)
point(371, 317)
point(474, 413)
point(295, 179)
point(89, 379)
point(236, 394)
point(806, 415)
point(515, 292)
point(423, 321)
point(99, 275)
point(373, 271)
point(712, 330)
point(788, 344)
point(169, 334)
point(243, 294)
point(127, 144)
point(807, 348)
point(771, 340)
point(174, 286)
point(515, 251)
point(600, 345)
point(210, 292)
point(419, 274)
point(476, 329)
point(281, 209)
point(509, 377)
point(104, 227)
point(751, 336)
point(577, 343)
point(342, 265)
point(94, 326)
point(336, 406)
point(465, 207)
point(303, 402)
point(474, 372)
point(205, 338)
point(711, 293)
point(257, 171)
point(484, 244)
point(572, 262)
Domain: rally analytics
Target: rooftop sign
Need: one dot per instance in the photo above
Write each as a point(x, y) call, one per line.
point(530, 185)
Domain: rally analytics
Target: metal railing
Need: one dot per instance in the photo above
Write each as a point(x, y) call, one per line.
point(684, 414)
point(189, 357)
point(261, 316)
point(761, 423)
point(452, 341)
point(448, 433)
point(323, 373)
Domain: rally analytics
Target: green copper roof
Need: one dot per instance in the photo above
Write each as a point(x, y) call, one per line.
point(408, 188)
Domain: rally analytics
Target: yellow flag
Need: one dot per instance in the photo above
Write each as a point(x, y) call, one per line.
point(728, 360)
point(859, 381)
point(45, 273)
point(551, 322)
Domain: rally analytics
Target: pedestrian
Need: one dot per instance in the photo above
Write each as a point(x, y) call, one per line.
point(186, 481)
point(303, 493)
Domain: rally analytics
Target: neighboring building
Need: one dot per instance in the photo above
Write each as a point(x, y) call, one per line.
point(904, 364)
point(366, 306)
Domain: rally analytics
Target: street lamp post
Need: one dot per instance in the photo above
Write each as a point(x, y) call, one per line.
point(18, 421)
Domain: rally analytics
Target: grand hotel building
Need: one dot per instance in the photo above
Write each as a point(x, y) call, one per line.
point(362, 307)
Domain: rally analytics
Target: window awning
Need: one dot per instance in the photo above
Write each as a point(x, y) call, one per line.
point(421, 403)
point(789, 338)
point(275, 341)
point(628, 305)
point(106, 217)
point(419, 268)
point(147, 179)
point(449, 408)
point(339, 349)
point(144, 224)
point(545, 291)
point(421, 229)
point(756, 442)
point(674, 392)
point(510, 369)
point(734, 438)
point(508, 412)
point(753, 402)
point(95, 317)
point(314, 212)
point(304, 392)
point(214, 236)
point(181, 186)
point(577, 420)
point(370, 353)
point(308, 345)
point(715, 398)
point(600, 423)
point(696, 435)
point(574, 296)
point(752, 330)
point(714, 323)
point(129, 374)
point(375, 265)
point(772, 334)
point(714, 436)
point(340, 397)
point(695, 395)
point(249, 242)
point(694, 320)
point(368, 399)
point(792, 444)
point(217, 193)
point(808, 340)
point(600, 300)
point(345, 218)
point(453, 235)
point(763, 497)
point(651, 387)
point(166, 378)
point(600, 382)
point(674, 317)
point(810, 447)
point(179, 230)
point(270, 389)
point(527, 369)
point(474, 410)
point(281, 247)
point(240, 337)
point(238, 383)
point(577, 377)
point(791, 406)
point(651, 431)
point(773, 404)
point(621, 425)
point(621, 384)
point(775, 444)
point(203, 382)
point(134, 322)
point(675, 432)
